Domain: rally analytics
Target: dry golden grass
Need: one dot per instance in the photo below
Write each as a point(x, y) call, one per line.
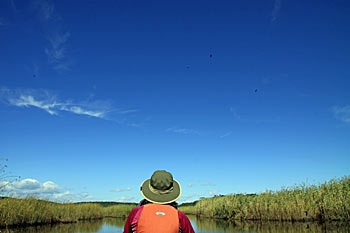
point(29, 211)
point(326, 202)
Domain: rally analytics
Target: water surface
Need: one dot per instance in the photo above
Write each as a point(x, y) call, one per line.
point(201, 225)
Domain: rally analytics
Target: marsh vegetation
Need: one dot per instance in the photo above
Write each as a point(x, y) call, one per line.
point(329, 201)
point(31, 211)
point(326, 202)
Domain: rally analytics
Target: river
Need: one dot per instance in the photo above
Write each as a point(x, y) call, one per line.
point(114, 225)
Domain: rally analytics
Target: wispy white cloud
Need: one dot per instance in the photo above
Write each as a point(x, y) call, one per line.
point(234, 113)
point(189, 197)
point(68, 196)
point(127, 111)
point(28, 100)
point(56, 51)
point(208, 184)
point(50, 103)
point(8, 6)
point(81, 111)
point(13, 5)
point(56, 35)
point(198, 196)
point(182, 130)
point(125, 199)
point(245, 119)
point(342, 113)
point(226, 134)
point(276, 9)
point(46, 8)
point(118, 190)
point(213, 192)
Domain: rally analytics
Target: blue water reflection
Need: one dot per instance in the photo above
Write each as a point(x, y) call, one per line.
point(201, 225)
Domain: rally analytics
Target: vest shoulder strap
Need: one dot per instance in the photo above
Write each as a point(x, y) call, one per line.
point(135, 220)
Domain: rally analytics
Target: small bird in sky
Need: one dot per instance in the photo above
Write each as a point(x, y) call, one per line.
point(256, 90)
point(210, 55)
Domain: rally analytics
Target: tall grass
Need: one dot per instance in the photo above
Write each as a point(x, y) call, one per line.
point(220, 225)
point(30, 211)
point(329, 201)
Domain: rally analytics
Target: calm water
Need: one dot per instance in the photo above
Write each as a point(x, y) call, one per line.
point(200, 225)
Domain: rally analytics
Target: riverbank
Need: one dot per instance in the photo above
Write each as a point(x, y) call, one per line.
point(329, 201)
point(30, 211)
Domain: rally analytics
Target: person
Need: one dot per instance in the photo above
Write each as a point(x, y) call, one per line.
point(157, 212)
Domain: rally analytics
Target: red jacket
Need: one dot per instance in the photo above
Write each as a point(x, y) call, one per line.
point(184, 222)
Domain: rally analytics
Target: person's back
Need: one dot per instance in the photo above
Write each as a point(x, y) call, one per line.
point(156, 218)
point(158, 212)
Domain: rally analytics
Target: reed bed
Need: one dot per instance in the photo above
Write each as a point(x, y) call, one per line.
point(329, 201)
point(30, 211)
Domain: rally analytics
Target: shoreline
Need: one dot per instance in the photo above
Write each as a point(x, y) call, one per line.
point(324, 203)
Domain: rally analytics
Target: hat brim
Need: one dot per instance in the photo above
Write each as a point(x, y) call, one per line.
point(160, 198)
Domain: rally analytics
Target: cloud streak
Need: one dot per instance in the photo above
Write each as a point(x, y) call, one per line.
point(50, 103)
point(226, 134)
point(213, 192)
point(208, 184)
point(125, 199)
point(235, 114)
point(182, 131)
point(46, 8)
point(189, 198)
point(276, 9)
point(57, 37)
point(118, 190)
point(342, 113)
point(56, 51)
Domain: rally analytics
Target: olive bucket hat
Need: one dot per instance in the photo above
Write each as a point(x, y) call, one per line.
point(161, 188)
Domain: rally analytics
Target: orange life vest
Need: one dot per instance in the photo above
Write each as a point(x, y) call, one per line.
point(157, 218)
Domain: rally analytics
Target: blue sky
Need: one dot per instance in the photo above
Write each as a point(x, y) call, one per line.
point(229, 96)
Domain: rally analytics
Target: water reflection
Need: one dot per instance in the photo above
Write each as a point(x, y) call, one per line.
point(107, 225)
point(114, 225)
point(203, 225)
